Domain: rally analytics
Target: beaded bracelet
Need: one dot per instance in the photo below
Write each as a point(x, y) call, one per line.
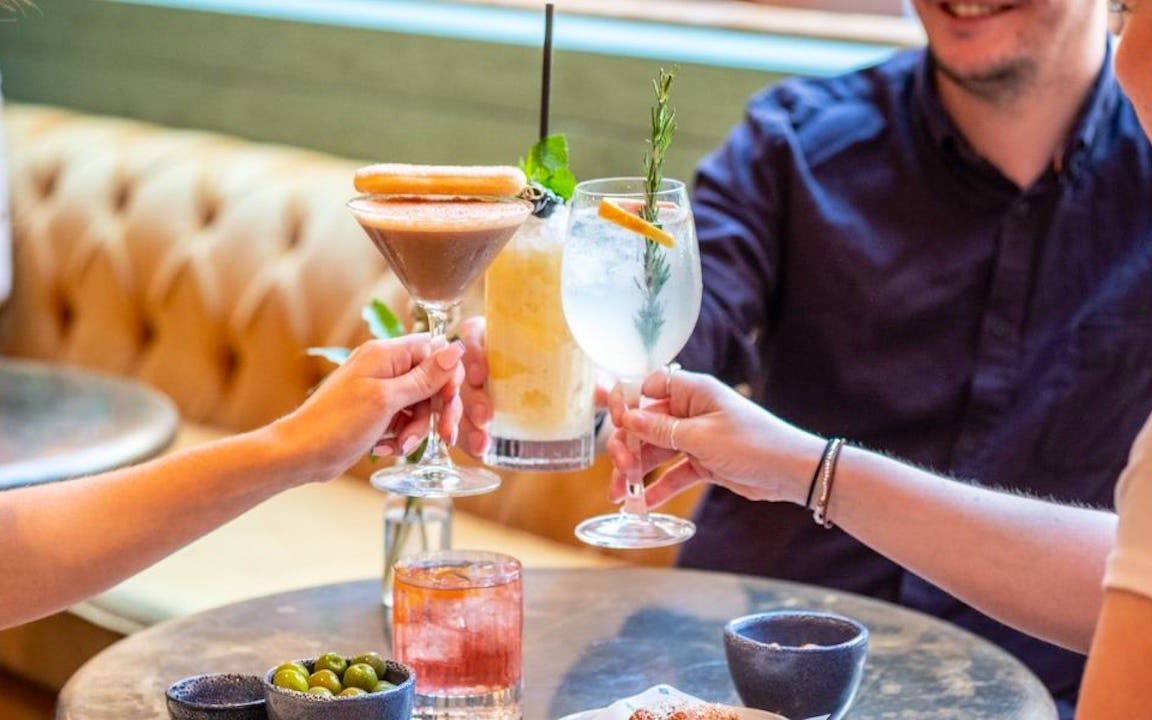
point(826, 472)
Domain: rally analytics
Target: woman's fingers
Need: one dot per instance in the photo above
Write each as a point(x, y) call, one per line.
point(477, 405)
point(672, 482)
point(452, 408)
point(414, 430)
point(658, 428)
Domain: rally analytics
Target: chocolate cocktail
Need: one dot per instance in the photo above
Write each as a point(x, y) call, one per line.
point(437, 247)
point(439, 228)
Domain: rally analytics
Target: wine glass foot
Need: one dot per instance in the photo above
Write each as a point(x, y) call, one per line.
point(435, 480)
point(631, 532)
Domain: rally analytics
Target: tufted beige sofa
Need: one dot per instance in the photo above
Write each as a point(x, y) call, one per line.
point(203, 266)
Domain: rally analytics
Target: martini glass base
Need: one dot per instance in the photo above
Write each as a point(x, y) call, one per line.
point(435, 480)
point(632, 532)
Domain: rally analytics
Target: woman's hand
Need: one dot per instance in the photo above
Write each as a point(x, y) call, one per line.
point(377, 400)
point(725, 438)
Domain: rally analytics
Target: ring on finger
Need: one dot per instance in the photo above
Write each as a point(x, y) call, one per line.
point(672, 434)
point(672, 368)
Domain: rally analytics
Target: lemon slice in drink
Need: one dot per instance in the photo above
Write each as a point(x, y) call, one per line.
point(613, 211)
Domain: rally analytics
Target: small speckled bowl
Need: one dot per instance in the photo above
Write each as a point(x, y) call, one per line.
point(798, 663)
point(217, 696)
point(393, 704)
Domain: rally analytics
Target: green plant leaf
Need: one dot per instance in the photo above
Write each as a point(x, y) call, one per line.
point(382, 322)
point(547, 165)
point(335, 355)
point(414, 456)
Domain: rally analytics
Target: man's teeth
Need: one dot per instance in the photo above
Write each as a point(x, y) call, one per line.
point(968, 10)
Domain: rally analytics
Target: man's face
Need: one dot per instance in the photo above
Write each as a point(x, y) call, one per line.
point(999, 47)
point(1134, 59)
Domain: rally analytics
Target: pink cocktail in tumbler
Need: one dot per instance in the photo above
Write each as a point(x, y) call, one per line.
point(457, 621)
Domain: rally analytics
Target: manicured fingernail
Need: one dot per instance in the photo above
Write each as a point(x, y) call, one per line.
point(410, 445)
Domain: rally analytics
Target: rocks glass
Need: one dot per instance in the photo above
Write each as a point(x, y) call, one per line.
point(458, 622)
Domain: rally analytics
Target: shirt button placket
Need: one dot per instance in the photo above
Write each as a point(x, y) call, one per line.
point(997, 355)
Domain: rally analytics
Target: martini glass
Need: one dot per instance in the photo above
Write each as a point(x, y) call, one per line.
point(631, 304)
point(437, 246)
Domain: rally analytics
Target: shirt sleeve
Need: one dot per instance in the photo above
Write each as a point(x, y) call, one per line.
point(1130, 561)
point(736, 206)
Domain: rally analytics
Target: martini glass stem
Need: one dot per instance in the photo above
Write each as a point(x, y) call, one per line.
point(435, 450)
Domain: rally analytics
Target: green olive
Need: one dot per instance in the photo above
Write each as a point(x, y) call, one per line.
point(298, 667)
point(379, 664)
point(290, 679)
point(348, 691)
point(321, 691)
point(331, 661)
point(382, 686)
point(361, 675)
point(325, 679)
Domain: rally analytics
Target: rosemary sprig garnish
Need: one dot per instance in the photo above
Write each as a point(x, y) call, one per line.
point(650, 316)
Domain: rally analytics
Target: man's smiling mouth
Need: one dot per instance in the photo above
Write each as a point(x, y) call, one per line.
point(972, 9)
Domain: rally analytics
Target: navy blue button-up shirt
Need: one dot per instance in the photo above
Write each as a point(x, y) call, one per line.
point(871, 277)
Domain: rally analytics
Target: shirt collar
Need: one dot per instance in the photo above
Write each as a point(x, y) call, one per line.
point(1099, 105)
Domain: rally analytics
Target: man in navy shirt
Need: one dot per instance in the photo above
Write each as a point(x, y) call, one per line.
point(948, 258)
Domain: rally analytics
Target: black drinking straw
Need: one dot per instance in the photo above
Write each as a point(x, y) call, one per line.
point(546, 79)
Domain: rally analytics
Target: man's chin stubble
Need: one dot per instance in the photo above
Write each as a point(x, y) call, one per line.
point(1001, 85)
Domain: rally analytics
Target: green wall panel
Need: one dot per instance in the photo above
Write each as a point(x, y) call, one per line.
point(356, 92)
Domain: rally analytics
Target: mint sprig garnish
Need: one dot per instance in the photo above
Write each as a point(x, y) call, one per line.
point(550, 182)
point(547, 165)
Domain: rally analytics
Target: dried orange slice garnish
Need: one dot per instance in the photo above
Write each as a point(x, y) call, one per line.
point(613, 211)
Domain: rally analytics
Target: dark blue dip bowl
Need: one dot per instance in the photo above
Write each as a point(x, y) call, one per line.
point(217, 696)
point(797, 663)
point(391, 704)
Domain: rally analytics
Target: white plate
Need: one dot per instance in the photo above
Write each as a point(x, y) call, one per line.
point(742, 713)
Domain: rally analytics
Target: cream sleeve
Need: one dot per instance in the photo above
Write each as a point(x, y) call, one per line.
point(1130, 562)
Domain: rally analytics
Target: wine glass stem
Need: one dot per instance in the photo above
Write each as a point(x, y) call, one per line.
point(634, 502)
point(435, 450)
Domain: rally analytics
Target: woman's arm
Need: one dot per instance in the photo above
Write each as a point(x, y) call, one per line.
point(1034, 565)
point(62, 542)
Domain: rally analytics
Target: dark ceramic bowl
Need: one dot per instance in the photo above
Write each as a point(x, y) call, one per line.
point(393, 704)
point(217, 696)
point(798, 663)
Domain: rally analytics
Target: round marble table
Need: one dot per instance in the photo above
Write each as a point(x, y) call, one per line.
point(59, 422)
point(591, 636)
